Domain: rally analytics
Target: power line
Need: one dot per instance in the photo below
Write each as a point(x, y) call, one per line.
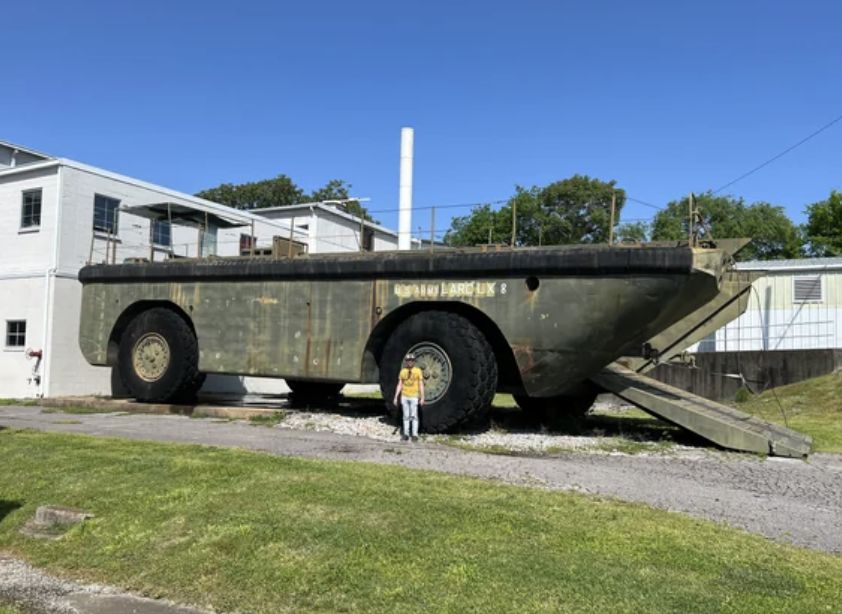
point(644, 203)
point(781, 154)
point(456, 206)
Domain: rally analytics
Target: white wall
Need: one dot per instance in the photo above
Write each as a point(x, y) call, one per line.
point(775, 321)
point(22, 299)
point(69, 373)
point(26, 250)
point(79, 189)
point(25, 259)
point(328, 232)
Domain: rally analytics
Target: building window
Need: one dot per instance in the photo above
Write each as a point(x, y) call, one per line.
point(161, 233)
point(368, 240)
point(246, 243)
point(105, 214)
point(31, 210)
point(807, 289)
point(208, 243)
point(15, 333)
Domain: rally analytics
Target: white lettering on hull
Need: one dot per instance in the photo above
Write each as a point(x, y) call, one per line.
point(447, 289)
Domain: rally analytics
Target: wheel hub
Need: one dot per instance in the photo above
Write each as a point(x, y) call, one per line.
point(151, 357)
point(436, 368)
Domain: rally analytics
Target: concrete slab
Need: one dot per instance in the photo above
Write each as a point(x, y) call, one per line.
point(88, 603)
point(205, 410)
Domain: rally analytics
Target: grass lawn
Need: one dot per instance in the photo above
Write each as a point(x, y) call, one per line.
point(813, 407)
point(248, 532)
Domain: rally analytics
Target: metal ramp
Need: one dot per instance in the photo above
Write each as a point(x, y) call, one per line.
point(724, 426)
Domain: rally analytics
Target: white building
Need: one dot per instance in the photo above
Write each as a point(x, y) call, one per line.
point(330, 229)
point(796, 305)
point(56, 215)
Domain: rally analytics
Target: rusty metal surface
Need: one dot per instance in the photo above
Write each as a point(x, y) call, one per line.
point(316, 322)
point(729, 304)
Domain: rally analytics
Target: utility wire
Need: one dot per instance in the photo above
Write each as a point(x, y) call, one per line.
point(644, 203)
point(780, 155)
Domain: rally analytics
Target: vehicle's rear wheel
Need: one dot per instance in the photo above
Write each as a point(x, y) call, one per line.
point(458, 363)
point(159, 357)
point(314, 391)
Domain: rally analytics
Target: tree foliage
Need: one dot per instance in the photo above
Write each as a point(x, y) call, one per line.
point(276, 192)
point(281, 191)
point(337, 189)
point(634, 232)
point(824, 226)
point(773, 234)
point(573, 210)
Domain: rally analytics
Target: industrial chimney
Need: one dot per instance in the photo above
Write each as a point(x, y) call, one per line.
point(405, 197)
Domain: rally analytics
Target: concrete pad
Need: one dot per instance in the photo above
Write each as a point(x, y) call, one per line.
point(231, 412)
point(91, 603)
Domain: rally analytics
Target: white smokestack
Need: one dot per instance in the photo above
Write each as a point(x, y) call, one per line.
point(405, 197)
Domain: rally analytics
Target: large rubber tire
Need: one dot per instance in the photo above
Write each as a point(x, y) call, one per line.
point(472, 366)
point(159, 357)
point(314, 390)
point(562, 405)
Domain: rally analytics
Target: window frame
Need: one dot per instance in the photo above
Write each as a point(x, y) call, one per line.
point(31, 227)
point(18, 333)
point(821, 284)
point(116, 222)
point(247, 242)
point(368, 239)
point(156, 225)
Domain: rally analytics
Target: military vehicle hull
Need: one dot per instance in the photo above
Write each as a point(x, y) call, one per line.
point(536, 322)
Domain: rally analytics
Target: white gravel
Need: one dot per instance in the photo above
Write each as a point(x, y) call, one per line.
point(37, 592)
point(33, 589)
point(534, 442)
point(375, 428)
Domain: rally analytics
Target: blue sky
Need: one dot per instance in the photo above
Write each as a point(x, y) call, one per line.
point(664, 97)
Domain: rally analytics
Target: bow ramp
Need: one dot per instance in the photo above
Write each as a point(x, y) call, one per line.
point(722, 425)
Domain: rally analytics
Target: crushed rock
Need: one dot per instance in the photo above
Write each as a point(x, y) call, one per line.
point(377, 427)
point(36, 591)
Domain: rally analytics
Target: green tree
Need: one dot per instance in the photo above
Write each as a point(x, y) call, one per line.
point(482, 225)
point(773, 234)
point(281, 191)
point(637, 232)
point(276, 192)
point(578, 210)
point(824, 226)
point(337, 189)
point(573, 210)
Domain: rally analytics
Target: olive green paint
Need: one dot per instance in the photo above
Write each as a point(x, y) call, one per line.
point(558, 334)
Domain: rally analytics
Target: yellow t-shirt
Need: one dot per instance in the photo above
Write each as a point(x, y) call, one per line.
point(410, 382)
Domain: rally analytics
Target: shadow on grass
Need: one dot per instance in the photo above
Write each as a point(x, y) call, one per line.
point(7, 507)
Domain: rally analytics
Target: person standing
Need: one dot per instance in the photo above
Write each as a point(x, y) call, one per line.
point(411, 392)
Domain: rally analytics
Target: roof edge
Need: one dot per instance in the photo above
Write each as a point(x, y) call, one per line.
point(213, 206)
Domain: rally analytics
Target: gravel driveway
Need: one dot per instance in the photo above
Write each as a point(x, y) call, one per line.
point(787, 500)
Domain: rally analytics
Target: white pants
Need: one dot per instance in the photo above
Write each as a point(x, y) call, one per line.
point(410, 415)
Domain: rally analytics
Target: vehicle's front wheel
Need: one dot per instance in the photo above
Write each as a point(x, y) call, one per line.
point(158, 358)
point(458, 364)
